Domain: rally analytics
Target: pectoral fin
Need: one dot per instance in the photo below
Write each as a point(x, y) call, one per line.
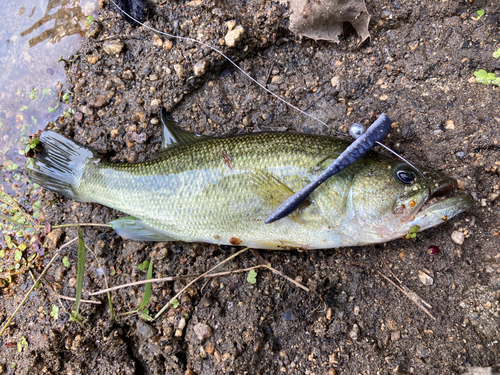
point(274, 192)
point(132, 228)
point(270, 188)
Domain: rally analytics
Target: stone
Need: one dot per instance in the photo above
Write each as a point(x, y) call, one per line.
point(144, 330)
point(234, 35)
point(128, 75)
point(457, 237)
point(425, 279)
point(200, 68)
point(92, 59)
point(113, 47)
point(168, 45)
point(179, 69)
point(354, 332)
point(202, 331)
point(54, 238)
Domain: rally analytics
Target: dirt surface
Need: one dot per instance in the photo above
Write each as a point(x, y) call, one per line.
point(418, 68)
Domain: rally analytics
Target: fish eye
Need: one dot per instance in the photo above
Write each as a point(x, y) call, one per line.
point(406, 176)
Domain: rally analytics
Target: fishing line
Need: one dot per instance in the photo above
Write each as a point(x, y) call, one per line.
point(377, 132)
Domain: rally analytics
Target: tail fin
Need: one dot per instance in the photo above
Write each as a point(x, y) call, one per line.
point(60, 165)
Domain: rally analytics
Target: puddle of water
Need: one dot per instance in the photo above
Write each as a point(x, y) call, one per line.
point(34, 34)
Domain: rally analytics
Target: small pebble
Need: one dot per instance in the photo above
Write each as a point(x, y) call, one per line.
point(354, 332)
point(92, 59)
point(450, 125)
point(128, 75)
point(205, 302)
point(203, 353)
point(179, 69)
point(168, 45)
point(202, 331)
point(54, 238)
point(425, 279)
point(157, 42)
point(457, 237)
point(209, 348)
point(138, 138)
point(84, 110)
point(153, 77)
point(460, 154)
point(234, 35)
point(154, 121)
point(383, 97)
point(200, 68)
point(144, 330)
point(154, 103)
point(493, 196)
point(182, 324)
point(113, 47)
point(395, 336)
point(178, 333)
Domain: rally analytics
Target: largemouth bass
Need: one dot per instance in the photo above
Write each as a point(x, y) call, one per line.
point(221, 190)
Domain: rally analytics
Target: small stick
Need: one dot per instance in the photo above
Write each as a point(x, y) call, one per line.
point(274, 270)
point(74, 299)
point(411, 295)
point(392, 273)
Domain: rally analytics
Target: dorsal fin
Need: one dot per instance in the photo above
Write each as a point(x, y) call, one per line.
point(173, 136)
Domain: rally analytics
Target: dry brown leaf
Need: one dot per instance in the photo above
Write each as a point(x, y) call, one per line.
point(323, 19)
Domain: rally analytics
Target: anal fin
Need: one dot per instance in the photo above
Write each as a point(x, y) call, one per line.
point(132, 228)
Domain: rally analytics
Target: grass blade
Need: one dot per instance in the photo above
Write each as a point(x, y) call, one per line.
point(147, 289)
point(80, 270)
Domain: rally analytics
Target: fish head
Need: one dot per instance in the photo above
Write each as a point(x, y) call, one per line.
point(388, 198)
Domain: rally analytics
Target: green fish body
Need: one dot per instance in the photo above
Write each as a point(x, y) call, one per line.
point(221, 190)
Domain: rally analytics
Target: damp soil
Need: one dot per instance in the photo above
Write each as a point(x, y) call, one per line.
point(418, 68)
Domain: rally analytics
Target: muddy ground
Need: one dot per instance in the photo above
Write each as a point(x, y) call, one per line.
point(418, 68)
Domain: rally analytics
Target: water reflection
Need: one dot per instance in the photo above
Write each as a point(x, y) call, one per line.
point(33, 36)
point(67, 16)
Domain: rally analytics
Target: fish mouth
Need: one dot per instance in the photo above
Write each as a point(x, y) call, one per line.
point(439, 207)
point(441, 187)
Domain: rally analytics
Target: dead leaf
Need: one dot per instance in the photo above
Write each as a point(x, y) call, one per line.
point(323, 19)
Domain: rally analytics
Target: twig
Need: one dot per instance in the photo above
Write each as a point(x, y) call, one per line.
point(82, 300)
point(269, 73)
point(411, 295)
point(273, 270)
point(78, 224)
point(35, 284)
point(389, 268)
